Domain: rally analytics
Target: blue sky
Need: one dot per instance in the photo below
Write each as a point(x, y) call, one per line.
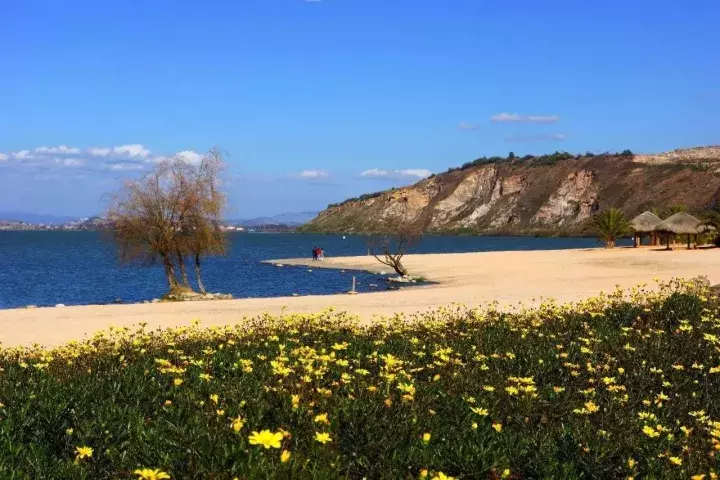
point(306, 96)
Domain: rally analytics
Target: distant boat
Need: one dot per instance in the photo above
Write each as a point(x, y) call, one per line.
point(343, 237)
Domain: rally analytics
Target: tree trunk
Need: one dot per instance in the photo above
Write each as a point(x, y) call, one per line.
point(610, 243)
point(170, 273)
point(181, 264)
point(399, 268)
point(197, 273)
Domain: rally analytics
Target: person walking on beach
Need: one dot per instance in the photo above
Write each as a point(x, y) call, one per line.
point(315, 253)
point(321, 254)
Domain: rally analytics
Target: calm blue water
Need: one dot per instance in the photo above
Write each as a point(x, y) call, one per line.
point(74, 268)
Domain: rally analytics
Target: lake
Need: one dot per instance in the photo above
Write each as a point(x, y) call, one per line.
point(76, 268)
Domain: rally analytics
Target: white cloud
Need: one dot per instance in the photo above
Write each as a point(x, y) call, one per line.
point(396, 174)
point(188, 156)
point(117, 167)
point(62, 150)
point(100, 152)
point(314, 174)
point(70, 162)
point(22, 154)
point(133, 150)
point(3, 157)
point(375, 173)
point(514, 117)
point(467, 126)
point(415, 172)
point(554, 137)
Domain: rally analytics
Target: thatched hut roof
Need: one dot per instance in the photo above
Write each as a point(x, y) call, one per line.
point(645, 222)
point(680, 224)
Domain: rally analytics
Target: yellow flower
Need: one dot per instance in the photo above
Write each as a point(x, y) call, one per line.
point(149, 474)
point(591, 407)
point(322, 437)
point(497, 427)
point(177, 382)
point(83, 452)
point(675, 460)
point(442, 476)
point(237, 423)
point(631, 463)
point(266, 439)
point(215, 398)
point(423, 473)
point(426, 438)
point(322, 418)
point(505, 473)
point(285, 456)
point(480, 411)
point(698, 477)
point(650, 432)
point(69, 431)
point(474, 426)
point(220, 412)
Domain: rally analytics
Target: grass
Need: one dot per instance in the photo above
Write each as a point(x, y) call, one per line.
point(623, 385)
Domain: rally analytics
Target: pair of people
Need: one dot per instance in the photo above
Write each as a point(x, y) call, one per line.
point(318, 253)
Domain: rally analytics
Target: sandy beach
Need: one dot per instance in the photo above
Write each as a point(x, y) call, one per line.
point(467, 278)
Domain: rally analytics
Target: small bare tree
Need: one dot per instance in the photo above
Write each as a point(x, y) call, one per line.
point(395, 234)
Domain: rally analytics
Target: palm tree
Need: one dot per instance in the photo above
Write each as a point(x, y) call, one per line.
point(610, 225)
point(670, 210)
point(711, 220)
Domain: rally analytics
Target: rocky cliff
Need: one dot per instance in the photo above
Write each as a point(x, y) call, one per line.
point(556, 194)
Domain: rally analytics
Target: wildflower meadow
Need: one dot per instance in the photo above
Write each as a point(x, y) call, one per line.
point(624, 385)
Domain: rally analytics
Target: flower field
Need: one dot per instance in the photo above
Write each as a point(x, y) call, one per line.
point(622, 385)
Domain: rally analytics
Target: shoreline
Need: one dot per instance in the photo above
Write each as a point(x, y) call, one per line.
point(471, 279)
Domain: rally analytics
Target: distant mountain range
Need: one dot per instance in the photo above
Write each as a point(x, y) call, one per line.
point(36, 218)
point(291, 219)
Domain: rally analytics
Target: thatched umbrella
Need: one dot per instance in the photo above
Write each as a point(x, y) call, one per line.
point(679, 224)
point(645, 223)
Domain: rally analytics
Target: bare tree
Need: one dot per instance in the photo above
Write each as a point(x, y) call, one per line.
point(205, 218)
point(171, 214)
point(145, 216)
point(395, 234)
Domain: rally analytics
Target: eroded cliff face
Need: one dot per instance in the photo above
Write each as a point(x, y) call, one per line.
point(522, 198)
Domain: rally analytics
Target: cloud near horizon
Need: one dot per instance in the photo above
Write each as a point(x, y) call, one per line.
point(515, 118)
point(554, 137)
point(314, 174)
point(469, 127)
point(128, 157)
point(415, 173)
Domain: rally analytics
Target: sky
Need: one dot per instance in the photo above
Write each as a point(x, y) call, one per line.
point(317, 101)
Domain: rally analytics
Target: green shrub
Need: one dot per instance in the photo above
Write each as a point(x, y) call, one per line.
point(616, 386)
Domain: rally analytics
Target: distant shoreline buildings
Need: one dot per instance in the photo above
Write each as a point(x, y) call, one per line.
point(98, 223)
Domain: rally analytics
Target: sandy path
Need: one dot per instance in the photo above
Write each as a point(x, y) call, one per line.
point(468, 278)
